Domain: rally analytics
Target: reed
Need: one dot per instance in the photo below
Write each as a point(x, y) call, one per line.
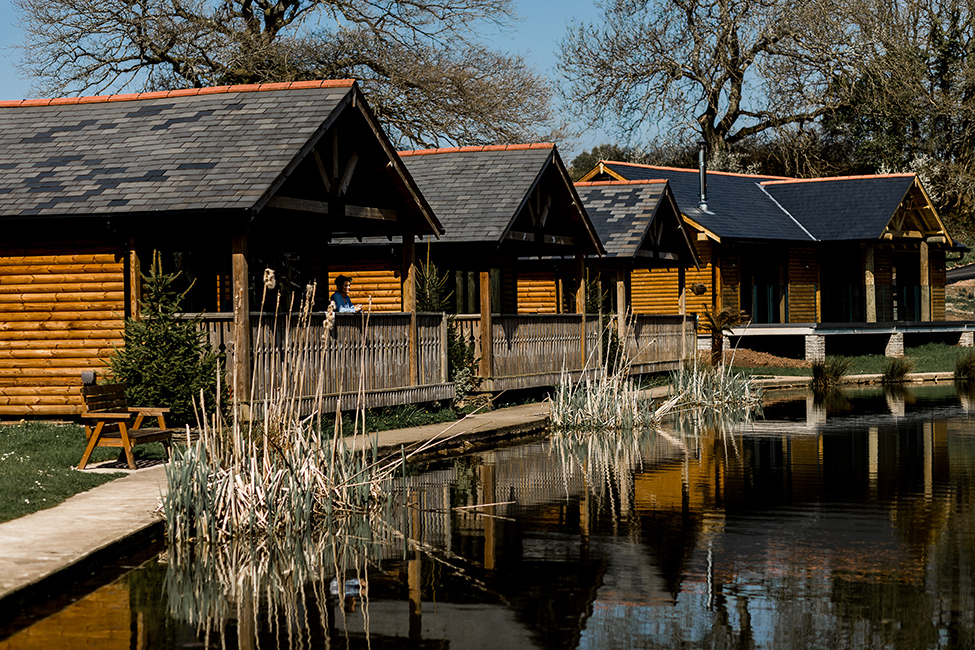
point(829, 373)
point(609, 399)
point(896, 370)
point(270, 471)
point(965, 366)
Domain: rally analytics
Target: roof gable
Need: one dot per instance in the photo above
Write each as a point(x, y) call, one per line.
point(498, 194)
point(743, 206)
point(184, 151)
point(638, 219)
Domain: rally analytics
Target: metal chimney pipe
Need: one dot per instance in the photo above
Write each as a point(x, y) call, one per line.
point(702, 148)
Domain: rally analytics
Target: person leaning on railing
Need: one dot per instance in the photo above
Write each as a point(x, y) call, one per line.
point(343, 304)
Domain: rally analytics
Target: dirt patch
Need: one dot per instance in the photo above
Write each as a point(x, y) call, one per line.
point(752, 359)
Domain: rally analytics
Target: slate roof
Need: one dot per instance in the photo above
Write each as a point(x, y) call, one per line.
point(225, 148)
point(843, 208)
point(476, 192)
point(622, 212)
point(742, 206)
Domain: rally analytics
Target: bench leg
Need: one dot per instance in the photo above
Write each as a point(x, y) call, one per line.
point(92, 443)
point(126, 444)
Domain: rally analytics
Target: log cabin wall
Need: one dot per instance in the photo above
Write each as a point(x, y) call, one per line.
point(654, 291)
point(377, 280)
point(803, 285)
point(883, 284)
point(730, 297)
point(61, 313)
point(537, 293)
point(939, 279)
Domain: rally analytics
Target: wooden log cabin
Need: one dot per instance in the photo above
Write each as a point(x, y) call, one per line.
point(515, 241)
point(829, 253)
point(642, 229)
point(221, 181)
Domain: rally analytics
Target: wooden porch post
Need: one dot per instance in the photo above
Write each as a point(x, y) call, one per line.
point(621, 302)
point(409, 299)
point(486, 369)
point(242, 317)
point(925, 282)
point(135, 282)
point(870, 282)
point(581, 304)
point(682, 307)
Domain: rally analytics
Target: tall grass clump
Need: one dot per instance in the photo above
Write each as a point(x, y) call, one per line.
point(896, 370)
point(965, 366)
point(604, 397)
point(271, 471)
point(702, 386)
point(829, 373)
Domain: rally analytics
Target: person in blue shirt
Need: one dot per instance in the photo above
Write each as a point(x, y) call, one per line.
point(343, 304)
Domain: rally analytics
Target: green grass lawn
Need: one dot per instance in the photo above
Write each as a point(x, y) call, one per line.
point(931, 357)
point(37, 462)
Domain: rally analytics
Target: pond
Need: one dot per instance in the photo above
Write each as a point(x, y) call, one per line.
point(843, 523)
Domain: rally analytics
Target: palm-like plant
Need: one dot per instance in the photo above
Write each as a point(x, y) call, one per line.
point(724, 321)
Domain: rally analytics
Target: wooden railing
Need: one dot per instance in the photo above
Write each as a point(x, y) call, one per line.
point(659, 342)
point(372, 354)
point(532, 350)
point(360, 353)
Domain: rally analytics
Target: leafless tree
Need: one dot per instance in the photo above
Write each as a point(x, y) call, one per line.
point(723, 70)
point(419, 61)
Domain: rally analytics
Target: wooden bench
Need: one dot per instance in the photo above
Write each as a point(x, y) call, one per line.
point(107, 422)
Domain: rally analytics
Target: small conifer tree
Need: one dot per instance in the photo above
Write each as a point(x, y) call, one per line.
point(166, 360)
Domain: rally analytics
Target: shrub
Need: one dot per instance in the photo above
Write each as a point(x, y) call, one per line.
point(166, 360)
point(896, 370)
point(965, 366)
point(829, 373)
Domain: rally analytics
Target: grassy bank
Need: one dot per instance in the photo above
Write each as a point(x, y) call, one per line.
point(931, 357)
point(37, 463)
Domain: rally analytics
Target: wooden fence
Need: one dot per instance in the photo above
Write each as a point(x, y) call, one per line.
point(360, 354)
point(370, 354)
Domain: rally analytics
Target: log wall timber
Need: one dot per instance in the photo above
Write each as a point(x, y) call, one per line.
point(537, 293)
point(939, 279)
point(377, 284)
point(60, 314)
point(803, 284)
point(655, 291)
point(883, 279)
point(730, 297)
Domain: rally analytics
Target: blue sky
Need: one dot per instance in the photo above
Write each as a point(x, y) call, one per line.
point(536, 36)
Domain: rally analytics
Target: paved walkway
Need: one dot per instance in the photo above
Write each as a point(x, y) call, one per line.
point(38, 551)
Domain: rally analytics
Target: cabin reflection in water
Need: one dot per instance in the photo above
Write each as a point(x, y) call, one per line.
point(788, 531)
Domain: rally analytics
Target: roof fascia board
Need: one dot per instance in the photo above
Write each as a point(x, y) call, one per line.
point(578, 204)
point(708, 233)
point(600, 168)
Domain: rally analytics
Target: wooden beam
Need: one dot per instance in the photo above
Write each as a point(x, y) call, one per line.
point(381, 214)
point(321, 170)
point(298, 205)
point(581, 303)
point(347, 175)
point(486, 369)
point(517, 235)
point(409, 300)
point(925, 282)
point(621, 303)
point(135, 282)
point(870, 282)
point(242, 325)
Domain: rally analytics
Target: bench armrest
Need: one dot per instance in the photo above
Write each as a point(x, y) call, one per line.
point(106, 416)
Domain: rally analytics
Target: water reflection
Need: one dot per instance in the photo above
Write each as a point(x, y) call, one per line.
point(841, 521)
